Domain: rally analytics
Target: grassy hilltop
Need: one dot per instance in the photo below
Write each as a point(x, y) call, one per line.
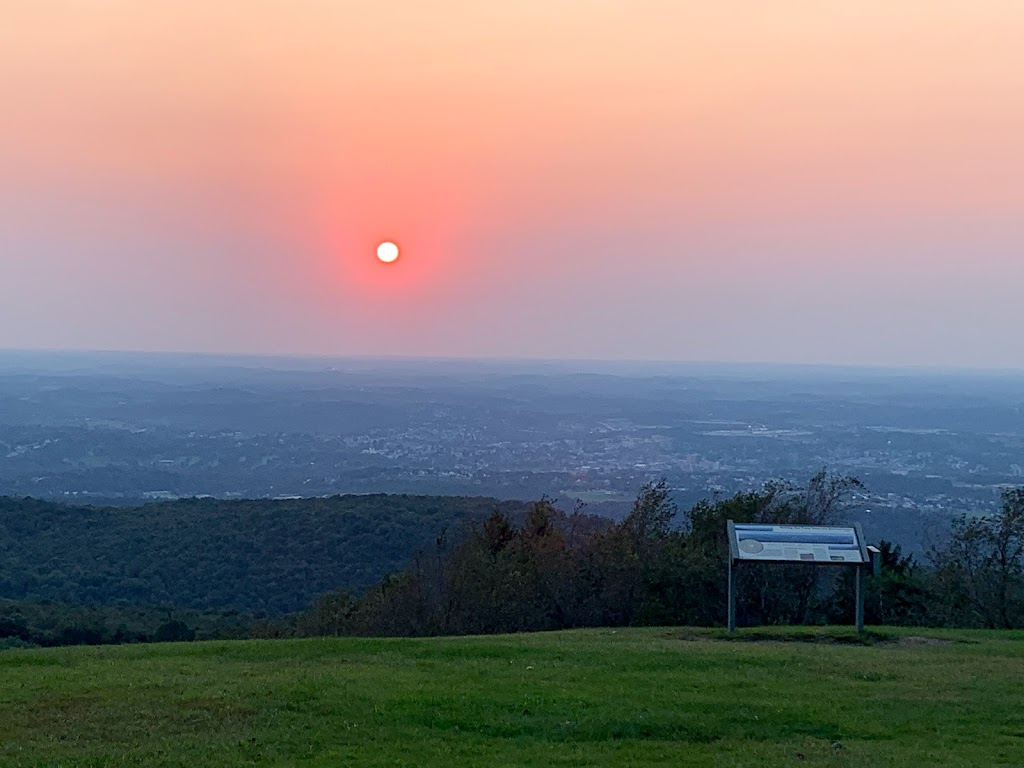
point(597, 697)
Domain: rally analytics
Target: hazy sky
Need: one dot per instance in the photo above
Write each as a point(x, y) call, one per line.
point(799, 180)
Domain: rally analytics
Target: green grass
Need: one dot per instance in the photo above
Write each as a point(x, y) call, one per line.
point(660, 697)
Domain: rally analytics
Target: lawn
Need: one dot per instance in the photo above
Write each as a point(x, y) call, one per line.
point(660, 697)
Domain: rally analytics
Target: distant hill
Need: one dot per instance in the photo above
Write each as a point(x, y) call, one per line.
point(256, 555)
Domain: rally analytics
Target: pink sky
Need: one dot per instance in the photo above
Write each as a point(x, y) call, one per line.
point(792, 181)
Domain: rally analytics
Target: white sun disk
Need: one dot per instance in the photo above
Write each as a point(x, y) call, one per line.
point(387, 252)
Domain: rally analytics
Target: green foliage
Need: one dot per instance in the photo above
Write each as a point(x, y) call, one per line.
point(557, 571)
point(507, 567)
point(258, 555)
point(897, 596)
point(979, 574)
point(649, 697)
point(174, 631)
point(47, 624)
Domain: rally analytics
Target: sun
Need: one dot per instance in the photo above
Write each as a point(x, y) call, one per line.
point(387, 252)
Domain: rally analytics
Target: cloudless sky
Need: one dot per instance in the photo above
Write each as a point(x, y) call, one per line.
point(800, 180)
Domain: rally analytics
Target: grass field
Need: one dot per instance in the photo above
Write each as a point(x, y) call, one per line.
point(664, 697)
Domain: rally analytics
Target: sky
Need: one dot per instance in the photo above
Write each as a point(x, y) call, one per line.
point(808, 181)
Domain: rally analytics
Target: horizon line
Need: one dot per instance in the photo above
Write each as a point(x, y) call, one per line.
point(485, 359)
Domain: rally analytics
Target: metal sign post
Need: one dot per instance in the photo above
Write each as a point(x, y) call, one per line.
point(810, 544)
point(860, 600)
point(734, 556)
point(732, 601)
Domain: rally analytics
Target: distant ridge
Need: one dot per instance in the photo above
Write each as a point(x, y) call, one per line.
point(266, 556)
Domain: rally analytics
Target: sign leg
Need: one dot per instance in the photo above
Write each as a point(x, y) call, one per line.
point(860, 600)
point(732, 601)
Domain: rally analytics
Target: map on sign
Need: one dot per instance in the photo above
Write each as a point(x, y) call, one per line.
point(797, 543)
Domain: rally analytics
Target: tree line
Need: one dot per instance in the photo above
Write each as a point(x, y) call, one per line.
point(34, 623)
point(533, 567)
point(660, 566)
point(258, 555)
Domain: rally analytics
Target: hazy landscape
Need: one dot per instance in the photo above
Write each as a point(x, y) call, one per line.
point(123, 429)
point(511, 383)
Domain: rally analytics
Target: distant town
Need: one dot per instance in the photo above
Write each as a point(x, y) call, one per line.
point(120, 429)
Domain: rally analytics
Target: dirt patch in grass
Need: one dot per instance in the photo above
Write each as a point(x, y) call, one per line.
point(814, 638)
point(823, 637)
point(917, 640)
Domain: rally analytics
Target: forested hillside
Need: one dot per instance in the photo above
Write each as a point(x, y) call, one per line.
point(264, 556)
point(660, 566)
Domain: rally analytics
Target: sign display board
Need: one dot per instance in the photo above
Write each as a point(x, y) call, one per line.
point(797, 544)
point(810, 544)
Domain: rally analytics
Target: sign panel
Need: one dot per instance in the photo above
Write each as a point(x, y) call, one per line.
point(797, 544)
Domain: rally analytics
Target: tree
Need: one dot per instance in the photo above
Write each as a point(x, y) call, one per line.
point(498, 532)
point(651, 517)
point(174, 631)
point(979, 574)
point(331, 614)
point(895, 596)
point(768, 594)
point(826, 496)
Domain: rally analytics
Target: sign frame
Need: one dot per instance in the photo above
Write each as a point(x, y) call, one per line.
point(735, 558)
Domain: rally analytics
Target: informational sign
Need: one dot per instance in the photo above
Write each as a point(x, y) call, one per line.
point(797, 544)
